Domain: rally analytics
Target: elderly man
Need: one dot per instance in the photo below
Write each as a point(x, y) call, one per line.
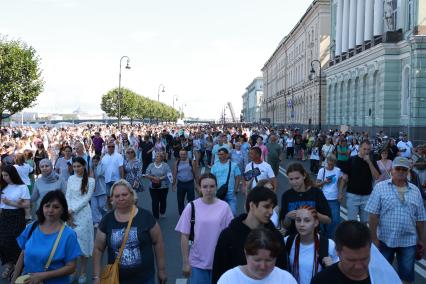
point(397, 216)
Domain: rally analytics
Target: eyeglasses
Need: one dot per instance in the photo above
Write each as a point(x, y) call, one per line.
point(111, 146)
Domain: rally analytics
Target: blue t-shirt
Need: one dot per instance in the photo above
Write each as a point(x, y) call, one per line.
point(221, 172)
point(38, 247)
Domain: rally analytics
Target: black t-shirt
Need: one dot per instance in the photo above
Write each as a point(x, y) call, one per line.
point(333, 275)
point(360, 177)
point(146, 146)
point(292, 200)
point(137, 260)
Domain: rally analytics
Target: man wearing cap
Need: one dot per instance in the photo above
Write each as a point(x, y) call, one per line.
point(396, 219)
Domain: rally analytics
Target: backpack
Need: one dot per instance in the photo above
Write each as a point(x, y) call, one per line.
point(322, 251)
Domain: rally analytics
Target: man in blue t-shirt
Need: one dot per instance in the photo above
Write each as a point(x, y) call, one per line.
point(220, 170)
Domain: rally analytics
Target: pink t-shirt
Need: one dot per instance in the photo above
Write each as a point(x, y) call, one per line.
point(210, 220)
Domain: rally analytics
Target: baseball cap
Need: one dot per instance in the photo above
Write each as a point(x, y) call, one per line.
point(401, 162)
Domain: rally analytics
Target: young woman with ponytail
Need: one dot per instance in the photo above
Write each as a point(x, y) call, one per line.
point(79, 192)
point(309, 252)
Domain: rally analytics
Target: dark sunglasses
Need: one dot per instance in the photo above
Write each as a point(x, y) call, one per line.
point(401, 169)
point(111, 146)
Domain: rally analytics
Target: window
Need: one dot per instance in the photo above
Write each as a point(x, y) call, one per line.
point(405, 91)
point(391, 14)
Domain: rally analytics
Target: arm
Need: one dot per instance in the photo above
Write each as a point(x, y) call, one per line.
point(184, 246)
point(157, 241)
point(373, 221)
point(174, 176)
point(374, 172)
point(85, 198)
point(21, 203)
point(100, 244)
point(420, 231)
point(222, 261)
point(35, 194)
point(18, 267)
point(274, 183)
point(68, 269)
point(121, 169)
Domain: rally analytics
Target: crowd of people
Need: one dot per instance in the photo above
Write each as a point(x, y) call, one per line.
point(70, 194)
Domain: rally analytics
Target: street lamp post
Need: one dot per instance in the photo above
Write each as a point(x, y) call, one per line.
point(175, 96)
point(312, 77)
point(158, 92)
point(119, 96)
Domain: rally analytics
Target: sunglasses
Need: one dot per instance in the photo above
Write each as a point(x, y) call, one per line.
point(111, 146)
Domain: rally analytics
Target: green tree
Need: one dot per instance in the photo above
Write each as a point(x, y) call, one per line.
point(20, 77)
point(129, 99)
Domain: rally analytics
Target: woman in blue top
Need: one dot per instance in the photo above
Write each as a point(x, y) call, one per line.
point(37, 245)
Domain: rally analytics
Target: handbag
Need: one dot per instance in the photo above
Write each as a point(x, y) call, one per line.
point(21, 279)
point(223, 190)
point(110, 274)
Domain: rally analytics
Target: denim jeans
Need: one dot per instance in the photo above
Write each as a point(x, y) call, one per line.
point(98, 206)
point(335, 218)
point(405, 257)
point(232, 201)
point(200, 276)
point(356, 205)
point(184, 188)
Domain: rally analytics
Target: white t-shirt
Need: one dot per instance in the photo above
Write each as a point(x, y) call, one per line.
point(24, 172)
point(266, 171)
point(315, 154)
point(14, 192)
point(408, 146)
point(112, 164)
point(306, 259)
point(330, 190)
point(236, 276)
point(354, 150)
point(289, 142)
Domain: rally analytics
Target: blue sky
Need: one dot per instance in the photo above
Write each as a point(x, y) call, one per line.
point(205, 52)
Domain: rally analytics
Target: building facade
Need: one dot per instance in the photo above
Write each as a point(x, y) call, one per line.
point(251, 111)
point(291, 97)
point(376, 79)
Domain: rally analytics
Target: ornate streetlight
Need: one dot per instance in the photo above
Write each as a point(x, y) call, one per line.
point(175, 98)
point(312, 76)
point(119, 96)
point(158, 92)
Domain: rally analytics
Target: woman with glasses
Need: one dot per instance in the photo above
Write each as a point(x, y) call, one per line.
point(133, 170)
point(157, 173)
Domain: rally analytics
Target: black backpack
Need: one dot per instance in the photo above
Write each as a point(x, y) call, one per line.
point(322, 252)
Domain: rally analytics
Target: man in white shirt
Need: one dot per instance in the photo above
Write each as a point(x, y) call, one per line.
point(405, 147)
point(265, 169)
point(113, 165)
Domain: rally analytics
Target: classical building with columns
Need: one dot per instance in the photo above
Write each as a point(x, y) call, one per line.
point(252, 101)
point(291, 97)
point(376, 79)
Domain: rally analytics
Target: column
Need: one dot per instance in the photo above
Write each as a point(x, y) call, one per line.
point(345, 32)
point(368, 23)
point(339, 16)
point(378, 17)
point(352, 23)
point(360, 18)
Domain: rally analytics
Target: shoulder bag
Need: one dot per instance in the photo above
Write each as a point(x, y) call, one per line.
point(110, 274)
point(22, 279)
point(223, 190)
point(192, 231)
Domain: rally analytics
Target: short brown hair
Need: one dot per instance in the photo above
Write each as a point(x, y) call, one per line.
point(262, 238)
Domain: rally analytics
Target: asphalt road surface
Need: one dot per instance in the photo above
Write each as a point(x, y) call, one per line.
point(172, 238)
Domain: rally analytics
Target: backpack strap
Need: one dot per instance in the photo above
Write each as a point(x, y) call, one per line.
point(289, 243)
point(191, 232)
point(323, 249)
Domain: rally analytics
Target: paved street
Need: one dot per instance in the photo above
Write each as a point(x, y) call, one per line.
point(172, 238)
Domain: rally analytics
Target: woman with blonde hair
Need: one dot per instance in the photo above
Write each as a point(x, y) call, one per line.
point(144, 243)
